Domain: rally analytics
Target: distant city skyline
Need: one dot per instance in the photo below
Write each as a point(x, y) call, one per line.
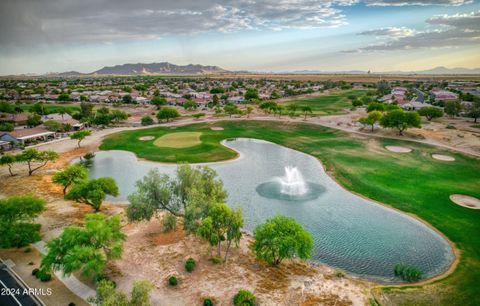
point(264, 36)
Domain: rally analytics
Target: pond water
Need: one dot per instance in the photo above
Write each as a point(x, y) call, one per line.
point(350, 233)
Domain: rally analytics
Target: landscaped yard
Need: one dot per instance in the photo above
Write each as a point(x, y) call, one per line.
point(413, 182)
point(329, 105)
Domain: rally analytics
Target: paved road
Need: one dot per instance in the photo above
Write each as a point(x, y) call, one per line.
point(420, 95)
point(18, 298)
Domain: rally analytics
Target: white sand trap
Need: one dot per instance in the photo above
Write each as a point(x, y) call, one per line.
point(146, 138)
point(465, 201)
point(443, 157)
point(216, 128)
point(398, 149)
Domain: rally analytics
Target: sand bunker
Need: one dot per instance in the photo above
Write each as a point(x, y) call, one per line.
point(398, 149)
point(216, 128)
point(146, 138)
point(443, 157)
point(465, 201)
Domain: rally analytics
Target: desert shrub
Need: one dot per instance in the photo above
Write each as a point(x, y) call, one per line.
point(339, 273)
point(451, 126)
point(190, 264)
point(408, 273)
point(71, 304)
point(244, 298)
point(35, 271)
point(172, 280)
point(103, 277)
point(207, 302)
point(215, 260)
point(43, 275)
point(31, 263)
point(169, 223)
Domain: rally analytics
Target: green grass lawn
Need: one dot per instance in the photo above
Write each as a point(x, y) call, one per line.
point(412, 182)
point(329, 105)
point(178, 140)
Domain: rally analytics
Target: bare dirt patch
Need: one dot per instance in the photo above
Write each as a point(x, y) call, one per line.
point(216, 128)
point(465, 201)
point(156, 256)
point(146, 138)
point(398, 149)
point(443, 157)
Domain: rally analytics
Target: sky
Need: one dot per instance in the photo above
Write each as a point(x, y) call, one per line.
point(41, 36)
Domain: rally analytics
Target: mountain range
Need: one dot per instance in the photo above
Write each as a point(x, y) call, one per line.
point(165, 68)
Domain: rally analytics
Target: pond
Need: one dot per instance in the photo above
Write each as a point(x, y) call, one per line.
point(350, 232)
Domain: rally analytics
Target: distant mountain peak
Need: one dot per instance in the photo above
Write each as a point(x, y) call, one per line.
point(158, 68)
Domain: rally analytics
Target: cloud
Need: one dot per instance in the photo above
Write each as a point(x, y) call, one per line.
point(468, 21)
point(71, 21)
point(455, 30)
point(416, 2)
point(393, 32)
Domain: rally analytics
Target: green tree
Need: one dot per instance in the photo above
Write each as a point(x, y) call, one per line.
point(453, 108)
point(251, 94)
point(117, 115)
point(80, 135)
point(167, 113)
point(222, 224)
point(33, 156)
point(38, 108)
point(6, 107)
point(473, 111)
point(292, 108)
point(268, 106)
point(281, 237)
point(86, 109)
point(430, 112)
point(86, 249)
point(400, 120)
point(147, 120)
point(34, 120)
point(158, 101)
point(375, 106)
point(7, 127)
point(231, 109)
point(63, 97)
point(70, 175)
point(127, 99)
point(372, 118)
point(190, 195)
point(249, 110)
point(9, 160)
point(16, 215)
point(190, 105)
point(306, 109)
point(93, 192)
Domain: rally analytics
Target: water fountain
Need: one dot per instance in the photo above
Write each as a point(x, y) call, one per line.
point(292, 183)
point(290, 187)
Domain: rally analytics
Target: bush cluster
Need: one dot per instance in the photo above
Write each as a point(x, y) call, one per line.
point(190, 264)
point(408, 273)
point(244, 298)
point(207, 302)
point(42, 275)
point(169, 223)
point(172, 280)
